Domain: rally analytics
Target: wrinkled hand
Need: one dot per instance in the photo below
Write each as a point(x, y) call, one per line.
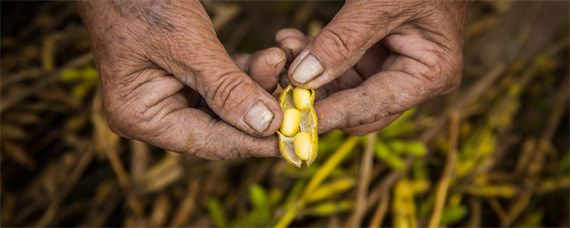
point(166, 79)
point(377, 59)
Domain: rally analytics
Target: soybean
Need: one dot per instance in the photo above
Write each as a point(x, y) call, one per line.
point(302, 98)
point(303, 144)
point(291, 120)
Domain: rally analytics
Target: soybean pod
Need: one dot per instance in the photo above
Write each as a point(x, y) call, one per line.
point(298, 138)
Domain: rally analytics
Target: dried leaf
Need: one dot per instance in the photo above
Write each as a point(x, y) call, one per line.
point(19, 155)
point(165, 173)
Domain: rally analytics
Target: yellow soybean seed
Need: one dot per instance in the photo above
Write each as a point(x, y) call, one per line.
point(307, 125)
point(303, 145)
point(302, 98)
point(291, 120)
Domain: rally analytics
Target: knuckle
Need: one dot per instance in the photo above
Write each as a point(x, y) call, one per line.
point(114, 118)
point(441, 77)
point(222, 89)
point(448, 74)
point(223, 92)
point(114, 125)
point(292, 46)
point(287, 32)
point(135, 122)
point(140, 121)
point(455, 74)
point(454, 83)
point(201, 152)
point(275, 53)
point(335, 42)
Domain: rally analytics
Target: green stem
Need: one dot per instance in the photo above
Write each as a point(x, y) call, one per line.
point(317, 179)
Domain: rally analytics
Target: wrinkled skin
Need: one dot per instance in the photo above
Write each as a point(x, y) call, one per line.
point(169, 82)
point(380, 59)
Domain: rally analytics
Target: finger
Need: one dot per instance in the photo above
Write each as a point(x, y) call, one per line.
point(288, 32)
point(419, 70)
point(372, 61)
point(370, 64)
point(292, 41)
point(266, 66)
point(284, 80)
point(380, 96)
point(156, 112)
point(194, 132)
point(385, 94)
point(242, 60)
point(339, 45)
point(200, 61)
point(371, 127)
point(241, 102)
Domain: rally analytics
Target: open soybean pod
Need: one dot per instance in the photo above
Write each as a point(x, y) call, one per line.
point(307, 141)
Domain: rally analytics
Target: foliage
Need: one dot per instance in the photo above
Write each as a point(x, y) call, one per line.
point(62, 166)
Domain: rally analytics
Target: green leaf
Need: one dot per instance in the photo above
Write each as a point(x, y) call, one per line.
point(532, 220)
point(275, 196)
point(419, 171)
point(413, 148)
point(397, 146)
point(384, 154)
point(216, 212)
point(416, 148)
point(70, 75)
point(330, 142)
point(331, 189)
point(294, 193)
point(330, 208)
point(331, 163)
point(401, 126)
point(260, 203)
point(258, 197)
point(487, 144)
point(90, 74)
point(426, 206)
point(452, 215)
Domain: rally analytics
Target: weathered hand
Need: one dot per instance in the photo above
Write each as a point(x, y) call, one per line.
point(166, 79)
point(377, 59)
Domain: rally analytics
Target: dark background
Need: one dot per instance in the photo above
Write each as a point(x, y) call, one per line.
point(61, 166)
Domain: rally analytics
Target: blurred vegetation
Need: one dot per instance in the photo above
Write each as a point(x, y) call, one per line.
point(493, 153)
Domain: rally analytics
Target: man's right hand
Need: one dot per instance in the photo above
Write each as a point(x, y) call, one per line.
point(166, 79)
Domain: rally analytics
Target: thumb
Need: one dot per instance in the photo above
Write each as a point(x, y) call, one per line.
point(203, 64)
point(342, 43)
point(237, 99)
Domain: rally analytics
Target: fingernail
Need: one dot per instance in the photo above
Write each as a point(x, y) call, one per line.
point(259, 117)
point(309, 68)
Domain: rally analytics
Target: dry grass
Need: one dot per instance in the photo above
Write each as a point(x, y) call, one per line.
point(502, 159)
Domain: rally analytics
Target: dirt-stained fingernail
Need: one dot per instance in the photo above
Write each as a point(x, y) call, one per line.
point(259, 117)
point(309, 68)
